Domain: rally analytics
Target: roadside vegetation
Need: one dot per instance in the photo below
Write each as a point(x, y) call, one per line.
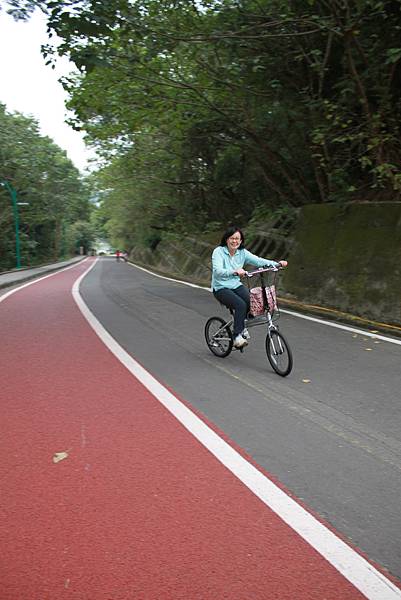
point(208, 112)
point(51, 198)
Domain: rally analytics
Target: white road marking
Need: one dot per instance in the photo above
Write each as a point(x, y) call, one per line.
point(201, 287)
point(376, 336)
point(368, 580)
point(288, 312)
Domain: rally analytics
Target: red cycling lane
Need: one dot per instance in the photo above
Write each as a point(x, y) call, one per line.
point(137, 508)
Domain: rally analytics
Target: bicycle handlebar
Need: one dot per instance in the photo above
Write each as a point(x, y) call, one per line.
point(263, 270)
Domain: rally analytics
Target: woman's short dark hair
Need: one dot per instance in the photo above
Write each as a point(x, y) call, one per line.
point(229, 232)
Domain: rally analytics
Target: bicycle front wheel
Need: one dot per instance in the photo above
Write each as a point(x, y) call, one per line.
point(218, 337)
point(279, 353)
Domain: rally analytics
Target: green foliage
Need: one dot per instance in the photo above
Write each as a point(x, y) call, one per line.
point(205, 112)
point(80, 234)
point(46, 182)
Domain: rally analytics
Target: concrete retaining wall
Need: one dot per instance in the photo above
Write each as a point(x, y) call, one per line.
point(349, 257)
point(341, 256)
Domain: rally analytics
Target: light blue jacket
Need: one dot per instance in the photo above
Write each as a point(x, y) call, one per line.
point(224, 265)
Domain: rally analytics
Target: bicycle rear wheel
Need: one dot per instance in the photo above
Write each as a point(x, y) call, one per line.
point(218, 337)
point(279, 353)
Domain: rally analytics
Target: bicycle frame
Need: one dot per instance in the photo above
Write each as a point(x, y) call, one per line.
point(266, 318)
point(228, 323)
point(218, 331)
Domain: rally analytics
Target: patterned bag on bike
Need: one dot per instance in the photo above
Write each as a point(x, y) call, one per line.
point(256, 299)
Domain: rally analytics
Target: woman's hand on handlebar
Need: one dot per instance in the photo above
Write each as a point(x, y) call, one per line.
point(283, 263)
point(240, 272)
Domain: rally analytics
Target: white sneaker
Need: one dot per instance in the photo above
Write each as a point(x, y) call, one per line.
point(246, 334)
point(239, 341)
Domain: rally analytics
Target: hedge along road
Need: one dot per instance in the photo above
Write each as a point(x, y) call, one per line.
point(133, 506)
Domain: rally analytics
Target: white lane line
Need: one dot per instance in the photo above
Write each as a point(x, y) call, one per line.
point(368, 580)
point(362, 332)
point(195, 285)
point(20, 287)
point(288, 312)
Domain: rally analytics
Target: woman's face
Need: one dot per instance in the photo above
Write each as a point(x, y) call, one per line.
point(234, 241)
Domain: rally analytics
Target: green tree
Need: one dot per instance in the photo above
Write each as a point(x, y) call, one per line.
point(209, 111)
point(47, 181)
point(80, 237)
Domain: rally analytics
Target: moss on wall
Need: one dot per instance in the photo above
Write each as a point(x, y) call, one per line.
point(349, 257)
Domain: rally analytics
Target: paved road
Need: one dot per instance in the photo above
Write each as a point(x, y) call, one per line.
point(136, 508)
point(335, 442)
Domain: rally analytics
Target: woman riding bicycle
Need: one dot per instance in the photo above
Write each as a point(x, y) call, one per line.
point(228, 260)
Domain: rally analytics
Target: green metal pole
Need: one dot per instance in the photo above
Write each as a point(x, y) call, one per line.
point(13, 196)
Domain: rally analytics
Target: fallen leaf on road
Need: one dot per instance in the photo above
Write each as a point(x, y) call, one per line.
point(306, 380)
point(59, 456)
point(368, 349)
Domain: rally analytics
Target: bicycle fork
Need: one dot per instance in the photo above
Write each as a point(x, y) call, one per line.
point(275, 340)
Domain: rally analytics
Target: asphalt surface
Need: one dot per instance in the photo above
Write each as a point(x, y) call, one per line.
point(330, 432)
point(113, 489)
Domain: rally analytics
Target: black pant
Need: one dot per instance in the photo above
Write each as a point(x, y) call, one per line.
point(238, 300)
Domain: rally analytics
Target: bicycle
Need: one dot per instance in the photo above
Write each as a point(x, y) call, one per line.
point(219, 333)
